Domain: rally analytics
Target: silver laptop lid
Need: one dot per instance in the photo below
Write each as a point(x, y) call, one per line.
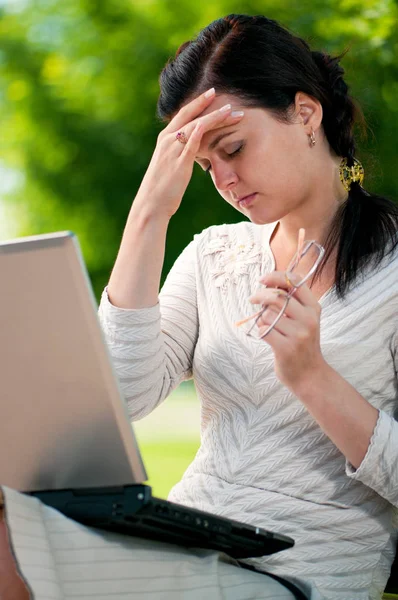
point(63, 422)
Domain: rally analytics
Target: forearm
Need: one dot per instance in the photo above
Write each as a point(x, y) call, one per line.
point(342, 413)
point(151, 348)
point(135, 278)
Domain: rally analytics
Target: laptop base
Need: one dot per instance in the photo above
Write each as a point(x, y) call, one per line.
point(132, 510)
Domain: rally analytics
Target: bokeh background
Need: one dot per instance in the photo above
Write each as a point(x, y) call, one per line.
point(78, 92)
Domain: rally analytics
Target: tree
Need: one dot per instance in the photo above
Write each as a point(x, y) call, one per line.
point(78, 97)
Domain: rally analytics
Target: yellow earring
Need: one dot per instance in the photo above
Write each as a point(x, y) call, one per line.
point(350, 174)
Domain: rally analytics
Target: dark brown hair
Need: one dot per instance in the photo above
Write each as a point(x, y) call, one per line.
point(264, 64)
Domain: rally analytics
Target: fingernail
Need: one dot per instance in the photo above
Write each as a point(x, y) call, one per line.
point(225, 108)
point(210, 92)
point(237, 113)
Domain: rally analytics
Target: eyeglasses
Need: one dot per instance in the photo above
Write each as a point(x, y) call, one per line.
point(302, 266)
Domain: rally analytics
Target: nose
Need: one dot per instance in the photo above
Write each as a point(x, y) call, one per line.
point(224, 176)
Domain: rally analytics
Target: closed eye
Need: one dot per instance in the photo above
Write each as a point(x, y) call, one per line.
point(229, 156)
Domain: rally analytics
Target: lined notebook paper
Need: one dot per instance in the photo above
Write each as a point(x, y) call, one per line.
point(63, 560)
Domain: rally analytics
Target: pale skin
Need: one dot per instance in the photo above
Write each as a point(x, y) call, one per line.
point(297, 185)
point(12, 586)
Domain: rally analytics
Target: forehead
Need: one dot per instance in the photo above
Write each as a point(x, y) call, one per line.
point(255, 117)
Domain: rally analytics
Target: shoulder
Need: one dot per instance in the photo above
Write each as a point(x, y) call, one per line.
point(376, 284)
point(384, 267)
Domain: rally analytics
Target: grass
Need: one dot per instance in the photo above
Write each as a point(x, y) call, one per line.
point(169, 438)
point(165, 463)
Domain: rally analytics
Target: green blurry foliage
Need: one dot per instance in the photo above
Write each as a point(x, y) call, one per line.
point(78, 92)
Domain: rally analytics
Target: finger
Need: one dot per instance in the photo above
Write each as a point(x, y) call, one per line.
point(274, 338)
point(190, 111)
point(268, 317)
point(280, 301)
point(192, 146)
point(285, 326)
point(271, 297)
point(283, 332)
point(221, 117)
point(211, 121)
point(277, 279)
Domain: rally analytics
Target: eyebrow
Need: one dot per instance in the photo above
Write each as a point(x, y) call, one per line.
point(217, 140)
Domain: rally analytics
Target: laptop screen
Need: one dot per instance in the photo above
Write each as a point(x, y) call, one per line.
point(64, 422)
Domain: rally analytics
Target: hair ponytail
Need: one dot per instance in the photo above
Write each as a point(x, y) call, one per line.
point(364, 231)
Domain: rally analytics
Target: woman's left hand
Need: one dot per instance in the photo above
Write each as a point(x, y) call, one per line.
point(295, 339)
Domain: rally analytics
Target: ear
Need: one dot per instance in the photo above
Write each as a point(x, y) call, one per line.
point(308, 111)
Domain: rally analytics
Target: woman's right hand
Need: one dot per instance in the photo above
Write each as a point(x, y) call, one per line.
point(171, 166)
point(12, 586)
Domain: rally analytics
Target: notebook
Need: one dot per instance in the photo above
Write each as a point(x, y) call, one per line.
point(66, 437)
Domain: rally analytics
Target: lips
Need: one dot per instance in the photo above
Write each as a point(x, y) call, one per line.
point(245, 201)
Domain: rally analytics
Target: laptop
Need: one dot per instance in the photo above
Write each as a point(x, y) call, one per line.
point(65, 436)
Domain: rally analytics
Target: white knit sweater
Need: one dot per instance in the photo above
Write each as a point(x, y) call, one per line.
point(263, 459)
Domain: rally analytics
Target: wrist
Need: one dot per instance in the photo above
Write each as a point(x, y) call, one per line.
point(313, 382)
point(144, 214)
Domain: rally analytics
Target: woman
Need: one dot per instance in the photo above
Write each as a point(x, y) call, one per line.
point(297, 431)
point(297, 428)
